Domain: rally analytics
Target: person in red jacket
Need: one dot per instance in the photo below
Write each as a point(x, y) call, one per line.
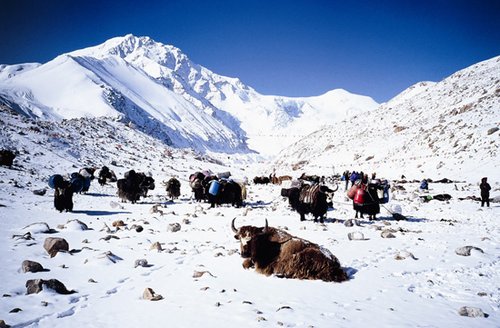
point(485, 192)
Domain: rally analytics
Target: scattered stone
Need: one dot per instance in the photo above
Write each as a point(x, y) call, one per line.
point(174, 227)
point(247, 302)
point(26, 236)
point(187, 221)
point(34, 286)
point(40, 192)
point(3, 324)
point(118, 223)
point(150, 295)
point(198, 274)
point(31, 266)
point(15, 310)
point(108, 237)
point(44, 303)
point(482, 294)
point(492, 130)
point(217, 304)
point(156, 246)
point(356, 236)
point(284, 307)
point(110, 256)
point(465, 250)
point(53, 245)
point(259, 319)
point(85, 241)
point(76, 225)
point(403, 255)
point(92, 281)
point(137, 228)
point(141, 262)
point(38, 227)
point(388, 233)
point(471, 312)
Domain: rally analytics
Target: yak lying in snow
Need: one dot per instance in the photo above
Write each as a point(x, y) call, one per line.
point(275, 252)
point(309, 199)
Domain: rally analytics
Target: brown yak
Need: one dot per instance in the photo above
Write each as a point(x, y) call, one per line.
point(275, 252)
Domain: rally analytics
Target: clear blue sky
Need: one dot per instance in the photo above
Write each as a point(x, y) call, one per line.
point(289, 48)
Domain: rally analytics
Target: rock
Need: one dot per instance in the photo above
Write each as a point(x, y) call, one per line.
point(34, 286)
point(492, 130)
point(39, 192)
point(465, 250)
point(118, 223)
point(38, 227)
point(157, 246)
point(53, 245)
point(3, 324)
point(174, 227)
point(387, 234)
point(471, 312)
point(402, 255)
point(356, 236)
point(76, 225)
point(15, 310)
point(141, 262)
point(31, 266)
point(150, 295)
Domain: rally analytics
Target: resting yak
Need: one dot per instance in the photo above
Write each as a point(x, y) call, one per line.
point(309, 199)
point(275, 252)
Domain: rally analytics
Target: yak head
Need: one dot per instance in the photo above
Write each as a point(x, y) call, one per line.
point(250, 238)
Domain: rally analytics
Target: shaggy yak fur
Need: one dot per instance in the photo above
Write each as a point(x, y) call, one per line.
point(275, 252)
point(173, 188)
point(134, 185)
point(7, 157)
point(63, 196)
point(261, 180)
point(230, 192)
point(309, 199)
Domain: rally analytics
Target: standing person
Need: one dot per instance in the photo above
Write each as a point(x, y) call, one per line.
point(485, 192)
point(346, 177)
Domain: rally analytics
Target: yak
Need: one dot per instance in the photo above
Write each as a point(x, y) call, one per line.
point(63, 191)
point(229, 192)
point(7, 157)
point(105, 175)
point(261, 180)
point(275, 252)
point(173, 188)
point(309, 199)
point(134, 185)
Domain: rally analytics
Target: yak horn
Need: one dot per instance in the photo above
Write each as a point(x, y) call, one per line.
point(233, 227)
point(337, 188)
point(266, 226)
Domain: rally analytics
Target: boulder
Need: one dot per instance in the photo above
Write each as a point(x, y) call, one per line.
point(31, 266)
point(150, 295)
point(53, 245)
point(34, 286)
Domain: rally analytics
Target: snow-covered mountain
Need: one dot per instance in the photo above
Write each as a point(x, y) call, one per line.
point(162, 92)
point(447, 129)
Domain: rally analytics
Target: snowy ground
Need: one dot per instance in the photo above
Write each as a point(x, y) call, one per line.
point(199, 272)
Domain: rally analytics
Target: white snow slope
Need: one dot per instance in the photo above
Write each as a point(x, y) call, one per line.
point(436, 130)
point(159, 89)
point(413, 280)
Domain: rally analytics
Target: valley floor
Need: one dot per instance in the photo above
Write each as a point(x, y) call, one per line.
point(413, 280)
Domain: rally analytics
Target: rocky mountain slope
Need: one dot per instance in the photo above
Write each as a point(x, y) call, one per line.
point(446, 129)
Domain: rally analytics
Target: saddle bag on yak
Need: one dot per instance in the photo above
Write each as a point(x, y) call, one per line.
point(360, 196)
